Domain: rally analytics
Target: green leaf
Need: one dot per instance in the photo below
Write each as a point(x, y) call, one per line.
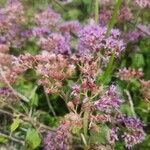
point(125, 108)
point(15, 125)
point(86, 1)
point(106, 74)
point(34, 97)
point(138, 61)
point(76, 130)
point(34, 101)
point(33, 138)
point(3, 140)
point(114, 17)
point(88, 4)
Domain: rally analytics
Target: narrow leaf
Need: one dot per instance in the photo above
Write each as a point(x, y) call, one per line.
point(114, 17)
point(15, 125)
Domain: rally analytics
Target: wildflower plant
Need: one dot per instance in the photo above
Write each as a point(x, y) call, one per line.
point(70, 93)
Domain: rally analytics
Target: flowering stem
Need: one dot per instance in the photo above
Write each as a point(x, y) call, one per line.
point(96, 11)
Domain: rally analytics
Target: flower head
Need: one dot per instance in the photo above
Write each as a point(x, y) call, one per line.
point(113, 136)
point(48, 18)
point(55, 43)
point(92, 38)
point(143, 3)
point(130, 73)
point(70, 26)
point(109, 101)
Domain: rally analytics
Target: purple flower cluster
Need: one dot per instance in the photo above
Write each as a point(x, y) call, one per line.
point(36, 32)
point(57, 140)
point(109, 101)
point(92, 38)
point(48, 18)
point(5, 91)
point(143, 3)
point(70, 26)
point(11, 17)
point(135, 133)
point(133, 138)
point(132, 36)
point(56, 43)
point(75, 90)
point(7, 94)
point(105, 16)
point(113, 135)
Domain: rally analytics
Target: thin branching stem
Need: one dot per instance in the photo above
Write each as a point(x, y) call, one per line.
point(49, 104)
point(130, 102)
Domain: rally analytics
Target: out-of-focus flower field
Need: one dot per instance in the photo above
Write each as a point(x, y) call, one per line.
point(74, 74)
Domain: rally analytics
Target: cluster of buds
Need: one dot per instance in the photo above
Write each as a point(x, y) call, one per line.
point(88, 66)
point(130, 73)
point(145, 89)
point(12, 66)
point(52, 70)
point(4, 48)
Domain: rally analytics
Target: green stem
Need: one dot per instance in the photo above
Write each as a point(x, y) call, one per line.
point(85, 123)
point(106, 74)
point(96, 11)
point(130, 102)
point(114, 17)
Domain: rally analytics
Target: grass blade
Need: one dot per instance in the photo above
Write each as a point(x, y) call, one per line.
point(114, 17)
